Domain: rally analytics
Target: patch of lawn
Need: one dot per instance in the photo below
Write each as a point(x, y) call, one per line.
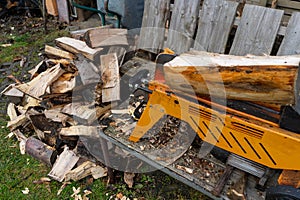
point(21, 171)
point(23, 45)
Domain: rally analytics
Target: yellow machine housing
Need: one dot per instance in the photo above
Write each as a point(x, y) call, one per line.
point(248, 136)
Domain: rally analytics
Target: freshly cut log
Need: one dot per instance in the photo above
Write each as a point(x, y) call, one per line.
point(77, 46)
point(80, 130)
point(12, 113)
point(55, 115)
point(63, 84)
point(105, 37)
point(266, 79)
point(88, 73)
point(120, 51)
point(59, 61)
point(20, 120)
point(14, 95)
point(79, 34)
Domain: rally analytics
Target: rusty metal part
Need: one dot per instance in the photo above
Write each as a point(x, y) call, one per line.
point(289, 177)
point(223, 180)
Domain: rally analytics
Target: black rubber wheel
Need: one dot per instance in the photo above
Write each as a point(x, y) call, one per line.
point(282, 192)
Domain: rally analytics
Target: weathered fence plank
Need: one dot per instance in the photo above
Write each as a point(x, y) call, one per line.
point(183, 25)
point(216, 20)
point(153, 26)
point(291, 41)
point(257, 31)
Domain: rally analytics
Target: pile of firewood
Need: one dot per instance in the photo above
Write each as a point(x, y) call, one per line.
point(70, 91)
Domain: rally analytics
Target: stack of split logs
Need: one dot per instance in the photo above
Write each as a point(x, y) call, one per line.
point(68, 93)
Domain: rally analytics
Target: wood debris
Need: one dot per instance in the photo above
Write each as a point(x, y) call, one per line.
point(188, 170)
point(86, 169)
point(77, 46)
point(128, 178)
point(63, 165)
point(64, 101)
point(110, 77)
point(38, 86)
point(58, 53)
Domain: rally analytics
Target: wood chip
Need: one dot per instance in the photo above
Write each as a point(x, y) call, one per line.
point(128, 178)
point(98, 172)
point(188, 170)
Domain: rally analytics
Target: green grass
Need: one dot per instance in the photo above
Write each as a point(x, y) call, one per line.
point(21, 171)
point(24, 44)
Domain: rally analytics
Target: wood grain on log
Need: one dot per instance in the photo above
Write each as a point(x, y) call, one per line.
point(105, 37)
point(251, 78)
